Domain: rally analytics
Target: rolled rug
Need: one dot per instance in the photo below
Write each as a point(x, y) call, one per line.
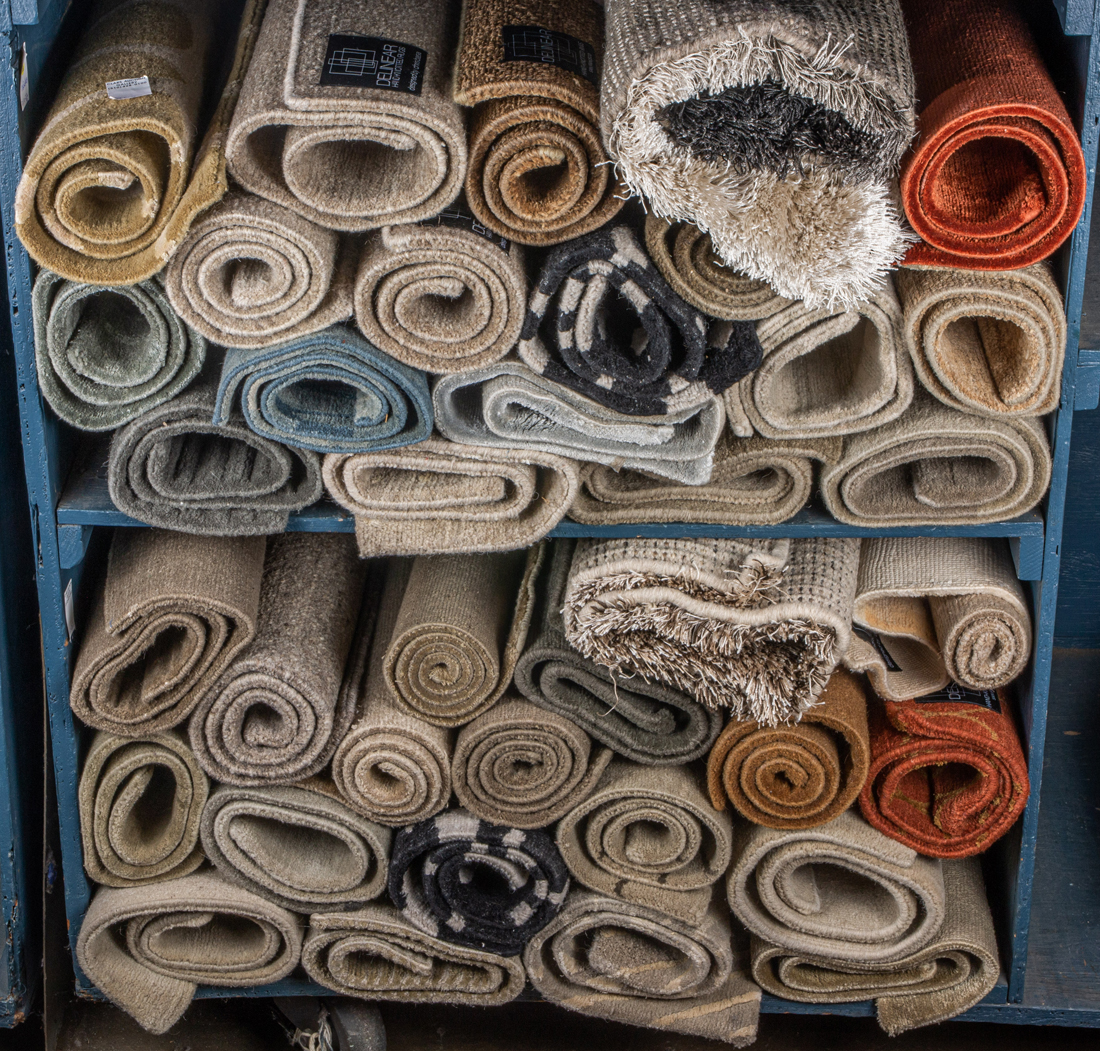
point(283, 704)
point(937, 466)
point(140, 806)
point(375, 953)
point(610, 959)
point(149, 948)
point(352, 129)
point(997, 178)
point(603, 321)
point(775, 129)
point(991, 344)
point(755, 626)
point(105, 356)
point(948, 774)
point(538, 171)
point(172, 612)
point(510, 406)
point(331, 392)
point(645, 722)
point(475, 884)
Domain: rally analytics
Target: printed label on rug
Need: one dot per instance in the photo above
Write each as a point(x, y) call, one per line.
point(953, 693)
point(532, 44)
point(372, 62)
point(880, 648)
point(130, 88)
point(457, 216)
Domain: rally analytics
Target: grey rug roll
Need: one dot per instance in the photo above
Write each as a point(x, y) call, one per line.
point(282, 705)
point(106, 355)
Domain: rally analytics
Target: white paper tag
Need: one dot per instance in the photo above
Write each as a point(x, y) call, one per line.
point(24, 81)
point(131, 88)
point(70, 613)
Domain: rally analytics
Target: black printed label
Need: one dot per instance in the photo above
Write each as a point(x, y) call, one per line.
point(373, 62)
point(458, 216)
point(953, 693)
point(532, 44)
point(879, 647)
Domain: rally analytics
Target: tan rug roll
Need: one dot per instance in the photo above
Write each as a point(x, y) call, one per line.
point(173, 611)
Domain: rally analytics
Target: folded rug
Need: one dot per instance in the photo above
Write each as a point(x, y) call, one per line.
point(149, 948)
point(173, 468)
point(992, 344)
point(611, 959)
point(346, 114)
point(930, 612)
point(774, 128)
point(645, 722)
point(438, 497)
point(376, 954)
point(252, 273)
point(756, 626)
point(282, 705)
point(997, 178)
point(603, 321)
point(956, 970)
point(948, 774)
point(331, 392)
point(172, 613)
point(842, 890)
point(649, 836)
point(140, 805)
point(510, 406)
point(937, 466)
point(468, 882)
point(105, 356)
point(538, 172)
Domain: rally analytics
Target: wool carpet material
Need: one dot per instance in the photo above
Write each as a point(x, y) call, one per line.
point(538, 171)
point(509, 405)
point(602, 320)
point(149, 948)
point(956, 970)
point(140, 806)
point(375, 953)
point(996, 180)
point(935, 465)
point(987, 343)
point(776, 129)
point(948, 773)
point(173, 468)
point(438, 497)
point(104, 356)
point(646, 722)
point(755, 626)
point(172, 613)
point(801, 775)
point(525, 767)
point(612, 959)
point(842, 890)
point(347, 143)
point(475, 884)
point(282, 705)
point(930, 612)
point(331, 392)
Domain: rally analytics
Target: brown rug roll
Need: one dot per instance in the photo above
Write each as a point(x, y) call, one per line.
point(800, 775)
point(173, 611)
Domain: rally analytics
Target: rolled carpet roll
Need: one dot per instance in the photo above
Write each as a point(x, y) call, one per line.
point(105, 356)
point(992, 344)
point(611, 959)
point(140, 806)
point(346, 115)
point(149, 948)
point(282, 705)
point(469, 882)
point(375, 953)
point(934, 465)
point(997, 178)
point(645, 722)
point(603, 321)
point(172, 613)
point(755, 626)
point(439, 497)
point(948, 774)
